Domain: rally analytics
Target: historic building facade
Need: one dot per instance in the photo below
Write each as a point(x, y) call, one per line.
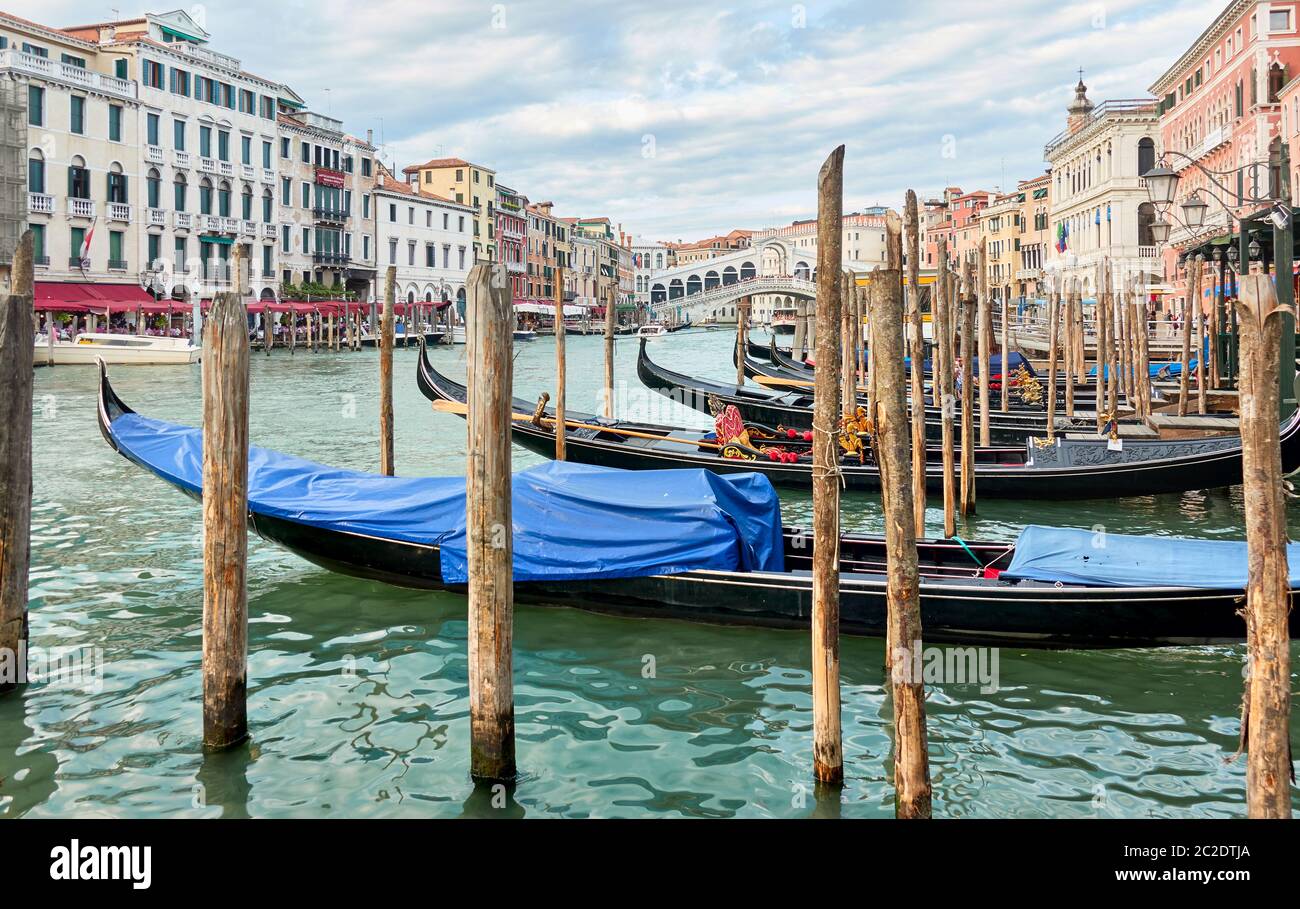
point(1100, 206)
point(469, 184)
point(426, 237)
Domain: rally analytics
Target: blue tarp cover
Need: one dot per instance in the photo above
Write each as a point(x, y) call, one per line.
point(1016, 360)
point(570, 521)
point(1118, 560)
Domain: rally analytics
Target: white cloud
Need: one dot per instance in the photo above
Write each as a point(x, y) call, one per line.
point(742, 105)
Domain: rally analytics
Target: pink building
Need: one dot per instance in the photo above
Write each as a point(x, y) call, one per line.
point(966, 210)
point(1220, 108)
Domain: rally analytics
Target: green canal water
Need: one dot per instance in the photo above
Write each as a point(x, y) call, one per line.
point(358, 692)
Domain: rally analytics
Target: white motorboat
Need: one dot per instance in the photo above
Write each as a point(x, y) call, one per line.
point(652, 330)
point(523, 334)
point(137, 350)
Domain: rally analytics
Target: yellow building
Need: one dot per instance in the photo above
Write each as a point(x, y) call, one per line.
point(1035, 236)
point(468, 184)
point(1000, 230)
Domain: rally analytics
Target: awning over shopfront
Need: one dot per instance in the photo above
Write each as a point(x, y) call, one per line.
point(82, 296)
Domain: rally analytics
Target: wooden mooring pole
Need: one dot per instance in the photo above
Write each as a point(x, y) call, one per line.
point(387, 467)
point(912, 795)
point(967, 310)
point(828, 751)
point(225, 515)
point(16, 365)
point(561, 374)
point(984, 334)
point(610, 313)
point(916, 352)
point(1053, 319)
point(1191, 305)
point(1267, 700)
point(943, 363)
point(489, 338)
point(741, 347)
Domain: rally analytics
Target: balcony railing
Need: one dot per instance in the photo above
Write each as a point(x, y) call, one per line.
point(332, 215)
point(330, 258)
point(1148, 252)
point(268, 176)
point(268, 231)
point(183, 220)
point(1213, 139)
point(227, 169)
point(81, 208)
point(157, 217)
point(153, 154)
point(40, 204)
point(74, 262)
point(13, 58)
point(248, 228)
point(117, 265)
point(41, 261)
point(1126, 106)
point(248, 172)
point(182, 158)
point(118, 211)
point(208, 165)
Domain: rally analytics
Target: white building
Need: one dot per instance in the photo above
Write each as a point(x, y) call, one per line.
point(325, 208)
point(648, 260)
point(430, 239)
point(1100, 205)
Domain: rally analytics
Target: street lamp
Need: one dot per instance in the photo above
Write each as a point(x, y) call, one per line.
point(1162, 183)
point(1254, 248)
point(1160, 232)
point(1194, 210)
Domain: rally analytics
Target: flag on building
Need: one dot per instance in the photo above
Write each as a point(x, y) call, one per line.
point(84, 252)
point(1062, 232)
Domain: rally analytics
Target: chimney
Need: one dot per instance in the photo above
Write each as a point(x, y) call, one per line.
point(370, 137)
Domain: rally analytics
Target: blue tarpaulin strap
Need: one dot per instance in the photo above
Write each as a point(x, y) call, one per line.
point(963, 545)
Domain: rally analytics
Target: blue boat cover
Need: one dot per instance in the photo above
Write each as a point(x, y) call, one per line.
point(1016, 360)
point(570, 521)
point(1118, 560)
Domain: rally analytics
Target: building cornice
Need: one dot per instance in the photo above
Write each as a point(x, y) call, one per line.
point(1211, 36)
point(45, 31)
point(1071, 144)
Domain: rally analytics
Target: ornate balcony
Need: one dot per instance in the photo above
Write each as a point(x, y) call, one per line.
point(67, 73)
point(153, 154)
point(208, 165)
point(248, 172)
point(181, 158)
point(227, 169)
point(330, 215)
point(118, 211)
point(81, 208)
point(268, 231)
point(182, 220)
point(156, 217)
point(338, 260)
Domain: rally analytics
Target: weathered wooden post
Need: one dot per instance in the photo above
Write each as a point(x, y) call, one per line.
point(741, 347)
point(489, 337)
point(561, 374)
point(848, 380)
point(1267, 701)
point(984, 333)
point(942, 385)
point(912, 795)
point(1112, 345)
point(1071, 372)
point(610, 309)
point(1053, 321)
point(1006, 346)
point(800, 328)
point(387, 464)
point(967, 310)
point(16, 363)
point(917, 355)
point(225, 515)
point(828, 754)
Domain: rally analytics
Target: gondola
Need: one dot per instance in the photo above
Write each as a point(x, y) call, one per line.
point(1068, 469)
point(971, 592)
point(773, 407)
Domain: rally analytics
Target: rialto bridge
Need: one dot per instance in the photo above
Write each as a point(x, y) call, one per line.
point(772, 272)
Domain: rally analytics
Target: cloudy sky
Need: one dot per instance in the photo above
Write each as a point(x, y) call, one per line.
point(681, 118)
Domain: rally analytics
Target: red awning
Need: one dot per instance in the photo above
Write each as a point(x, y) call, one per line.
point(82, 296)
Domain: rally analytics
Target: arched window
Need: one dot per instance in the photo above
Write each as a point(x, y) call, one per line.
point(247, 203)
point(205, 196)
point(267, 205)
point(1146, 156)
point(153, 186)
point(711, 280)
point(180, 193)
point(1146, 217)
point(675, 289)
point(223, 199)
point(36, 172)
point(747, 271)
point(729, 275)
point(693, 285)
